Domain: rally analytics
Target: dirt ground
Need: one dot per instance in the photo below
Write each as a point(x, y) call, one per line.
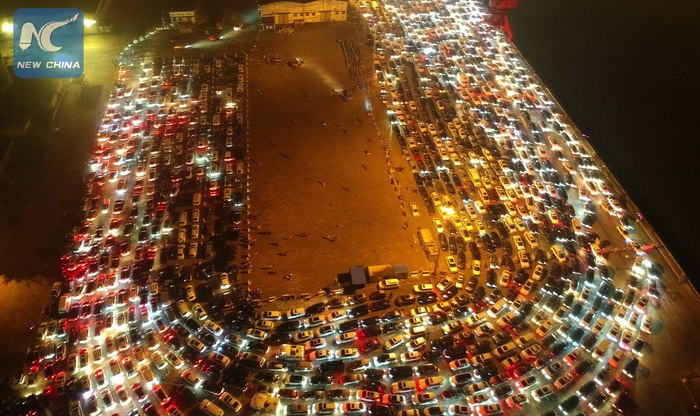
point(317, 165)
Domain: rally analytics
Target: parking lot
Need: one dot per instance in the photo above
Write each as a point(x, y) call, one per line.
point(315, 159)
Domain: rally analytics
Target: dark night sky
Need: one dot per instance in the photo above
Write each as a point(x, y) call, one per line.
point(626, 72)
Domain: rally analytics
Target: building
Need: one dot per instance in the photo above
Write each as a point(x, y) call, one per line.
point(183, 15)
point(275, 13)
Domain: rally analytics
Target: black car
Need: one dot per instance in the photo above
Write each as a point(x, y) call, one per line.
point(570, 403)
point(502, 391)
point(442, 342)
point(358, 311)
point(405, 300)
point(449, 293)
point(348, 325)
point(461, 379)
point(334, 366)
point(379, 410)
point(401, 372)
point(374, 385)
point(424, 370)
point(338, 394)
point(455, 352)
point(313, 395)
point(212, 386)
point(373, 331)
point(374, 373)
point(335, 303)
point(372, 320)
point(427, 298)
point(436, 318)
point(377, 295)
point(431, 356)
point(316, 308)
point(289, 326)
point(392, 316)
point(320, 380)
point(279, 338)
point(380, 305)
point(392, 327)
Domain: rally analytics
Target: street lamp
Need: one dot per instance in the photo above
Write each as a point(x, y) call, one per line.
point(7, 27)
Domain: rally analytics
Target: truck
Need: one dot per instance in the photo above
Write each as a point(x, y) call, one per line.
point(428, 242)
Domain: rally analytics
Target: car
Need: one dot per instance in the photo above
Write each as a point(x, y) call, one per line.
point(295, 313)
point(423, 288)
point(358, 365)
point(353, 408)
point(393, 400)
point(460, 380)
point(190, 294)
point(336, 315)
point(107, 399)
point(434, 410)
point(368, 395)
point(410, 356)
point(320, 355)
point(394, 342)
point(345, 337)
point(429, 382)
point(161, 394)
point(191, 379)
point(325, 331)
point(303, 336)
point(347, 353)
point(294, 380)
point(271, 315)
point(425, 398)
point(313, 321)
point(542, 392)
point(407, 386)
point(451, 264)
point(385, 359)
point(475, 399)
point(459, 410)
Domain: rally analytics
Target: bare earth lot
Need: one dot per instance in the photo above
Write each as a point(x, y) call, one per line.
point(307, 177)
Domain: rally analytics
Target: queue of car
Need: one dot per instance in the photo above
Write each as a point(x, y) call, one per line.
point(163, 198)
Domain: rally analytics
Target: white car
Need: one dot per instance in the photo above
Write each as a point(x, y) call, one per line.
point(295, 313)
point(345, 338)
point(411, 356)
point(255, 334)
point(320, 355)
point(348, 353)
point(272, 315)
point(303, 336)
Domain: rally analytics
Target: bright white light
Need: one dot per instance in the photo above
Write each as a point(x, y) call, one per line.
point(7, 27)
point(88, 22)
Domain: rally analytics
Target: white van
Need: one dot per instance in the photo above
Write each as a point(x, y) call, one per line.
point(388, 284)
point(210, 408)
point(416, 331)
